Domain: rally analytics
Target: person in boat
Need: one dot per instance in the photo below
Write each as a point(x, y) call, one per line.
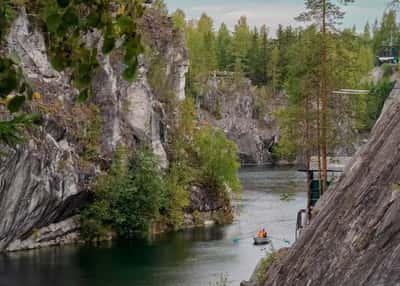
point(264, 233)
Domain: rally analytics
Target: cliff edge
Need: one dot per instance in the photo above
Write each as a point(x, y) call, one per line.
point(354, 238)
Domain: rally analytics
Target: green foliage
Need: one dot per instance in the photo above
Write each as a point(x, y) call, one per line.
point(161, 6)
point(66, 21)
point(13, 81)
point(127, 199)
point(7, 14)
point(90, 134)
point(217, 159)
point(8, 77)
point(160, 84)
point(65, 24)
point(223, 48)
point(387, 71)
point(11, 132)
point(375, 101)
point(262, 270)
point(134, 194)
point(178, 17)
point(176, 197)
point(274, 70)
point(386, 32)
point(200, 156)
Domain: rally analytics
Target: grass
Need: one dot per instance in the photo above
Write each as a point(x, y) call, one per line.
point(261, 274)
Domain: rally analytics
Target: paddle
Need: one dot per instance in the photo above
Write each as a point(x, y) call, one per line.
point(276, 238)
point(237, 239)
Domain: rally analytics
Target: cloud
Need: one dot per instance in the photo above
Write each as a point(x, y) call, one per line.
point(271, 14)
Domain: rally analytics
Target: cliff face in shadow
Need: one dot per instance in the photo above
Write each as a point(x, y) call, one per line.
point(354, 238)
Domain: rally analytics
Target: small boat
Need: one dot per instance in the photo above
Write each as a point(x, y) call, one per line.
point(261, 240)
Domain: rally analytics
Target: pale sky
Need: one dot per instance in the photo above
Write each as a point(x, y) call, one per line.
point(272, 12)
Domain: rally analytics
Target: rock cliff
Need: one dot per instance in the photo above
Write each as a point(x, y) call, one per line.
point(354, 238)
point(46, 180)
point(246, 117)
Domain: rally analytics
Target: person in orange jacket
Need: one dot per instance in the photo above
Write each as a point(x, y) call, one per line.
point(264, 233)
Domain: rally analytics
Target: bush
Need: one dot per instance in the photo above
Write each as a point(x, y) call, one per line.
point(387, 70)
point(176, 197)
point(261, 272)
point(375, 101)
point(217, 160)
point(126, 200)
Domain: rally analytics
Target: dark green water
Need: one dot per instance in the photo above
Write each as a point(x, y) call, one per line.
point(189, 258)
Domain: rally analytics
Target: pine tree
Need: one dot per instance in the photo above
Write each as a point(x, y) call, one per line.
point(274, 69)
point(224, 48)
point(366, 36)
point(178, 17)
point(253, 59)
point(241, 41)
point(263, 62)
point(326, 15)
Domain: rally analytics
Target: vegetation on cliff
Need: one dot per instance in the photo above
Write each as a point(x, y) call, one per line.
point(294, 61)
point(65, 23)
point(134, 193)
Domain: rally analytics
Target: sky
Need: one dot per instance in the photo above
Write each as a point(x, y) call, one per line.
point(272, 12)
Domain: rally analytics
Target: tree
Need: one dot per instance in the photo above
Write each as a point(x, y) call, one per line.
point(264, 55)
point(326, 15)
point(387, 33)
point(206, 30)
point(127, 199)
point(224, 48)
point(217, 159)
point(178, 17)
point(298, 120)
point(366, 36)
point(241, 41)
point(161, 6)
point(274, 69)
point(201, 43)
point(253, 59)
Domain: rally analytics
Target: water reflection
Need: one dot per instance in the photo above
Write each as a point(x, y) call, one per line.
point(191, 258)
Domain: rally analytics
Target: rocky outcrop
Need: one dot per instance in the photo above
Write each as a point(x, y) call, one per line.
point(355, 236)
point(245, 117)
point(45, 181)
point(207, 207)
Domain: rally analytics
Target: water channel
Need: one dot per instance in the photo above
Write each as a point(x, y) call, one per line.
point(189, 258)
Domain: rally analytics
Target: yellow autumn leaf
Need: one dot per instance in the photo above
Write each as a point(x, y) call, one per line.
point(36, 96)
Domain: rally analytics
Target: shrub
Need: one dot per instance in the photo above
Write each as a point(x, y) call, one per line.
point(176, 197)
point(217, 159)
point(261, 272)
point(387, 70)
point(375, 101)
point(127, 199)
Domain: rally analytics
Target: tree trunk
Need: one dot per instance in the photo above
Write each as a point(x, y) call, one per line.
point(324, 99)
